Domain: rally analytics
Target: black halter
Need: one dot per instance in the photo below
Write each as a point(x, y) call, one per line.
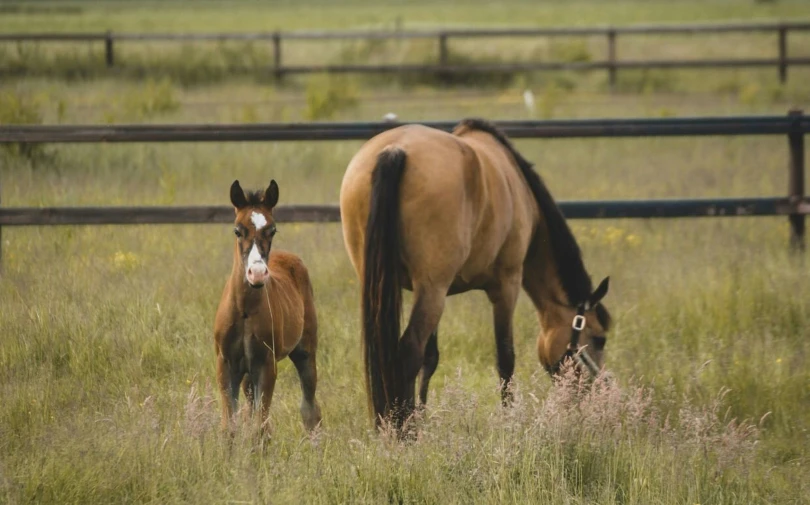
point(581, 357)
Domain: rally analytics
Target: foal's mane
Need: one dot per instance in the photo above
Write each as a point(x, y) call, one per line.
point(255, 198)
point(574, 278)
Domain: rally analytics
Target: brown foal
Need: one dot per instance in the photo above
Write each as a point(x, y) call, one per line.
point(267, 313)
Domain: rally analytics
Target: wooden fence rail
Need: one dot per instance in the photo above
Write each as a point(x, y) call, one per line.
point(794, 126)
point(781, 61)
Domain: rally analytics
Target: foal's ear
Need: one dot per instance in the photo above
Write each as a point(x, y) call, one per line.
point(238, 196)
point(271, 195)
point(600, 292)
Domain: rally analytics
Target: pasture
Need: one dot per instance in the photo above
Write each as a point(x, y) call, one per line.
point(106, 332)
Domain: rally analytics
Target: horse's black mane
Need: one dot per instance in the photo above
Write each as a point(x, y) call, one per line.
point(574, 278)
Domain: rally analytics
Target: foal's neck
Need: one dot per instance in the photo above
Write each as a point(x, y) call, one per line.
point(248, 299)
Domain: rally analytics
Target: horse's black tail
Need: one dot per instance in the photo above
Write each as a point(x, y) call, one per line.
point(382, 299)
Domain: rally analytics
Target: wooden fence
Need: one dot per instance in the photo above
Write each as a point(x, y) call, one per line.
point(443, 66)
point(795, 205)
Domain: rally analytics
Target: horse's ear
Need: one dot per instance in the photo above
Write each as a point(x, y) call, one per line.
point(600, 292)
point(238, 196)
point(271, 195)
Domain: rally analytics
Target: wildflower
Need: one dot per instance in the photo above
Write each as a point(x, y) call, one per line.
point(126, 261)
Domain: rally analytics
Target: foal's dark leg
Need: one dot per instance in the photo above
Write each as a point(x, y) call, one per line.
point(503, 299)
point(430, 364)
point(229, 378)
point(304, 362)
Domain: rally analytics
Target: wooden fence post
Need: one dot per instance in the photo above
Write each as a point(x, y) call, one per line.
point(611, 35)
point(277, 55)
point(443, 56)
point(1, 230)
point(783, 68)
point(108, 49)
point(796, 179)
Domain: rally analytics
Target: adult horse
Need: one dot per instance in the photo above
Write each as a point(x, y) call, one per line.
point(267, 313)
point(441, 214)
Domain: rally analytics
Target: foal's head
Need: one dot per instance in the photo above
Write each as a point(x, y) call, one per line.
point(254, 227)
point(579, 335)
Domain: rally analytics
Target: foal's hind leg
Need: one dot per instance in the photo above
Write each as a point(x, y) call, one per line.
point(430, 364)
point(304, 362)
point(503, 298)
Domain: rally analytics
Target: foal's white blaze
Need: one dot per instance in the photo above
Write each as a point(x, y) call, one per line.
point(254, 256)
point(259, 221)
point(256, 270)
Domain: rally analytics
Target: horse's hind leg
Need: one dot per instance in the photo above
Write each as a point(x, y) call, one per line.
point(304, 362)
point(427, 309)
point(503, 299)
point(430, 364)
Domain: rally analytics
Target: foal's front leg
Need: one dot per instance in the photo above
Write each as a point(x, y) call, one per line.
point(266, 386)
point(228, 380)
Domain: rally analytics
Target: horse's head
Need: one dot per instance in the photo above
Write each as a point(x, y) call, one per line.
point(254, 227)
point(578, 334)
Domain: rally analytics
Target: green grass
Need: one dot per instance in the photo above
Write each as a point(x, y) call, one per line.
point(106, 341)
point(195, 63)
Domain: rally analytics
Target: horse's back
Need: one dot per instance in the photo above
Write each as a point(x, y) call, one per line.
point(437, 196)
point(457, 204)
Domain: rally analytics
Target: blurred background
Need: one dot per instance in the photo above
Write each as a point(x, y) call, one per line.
point(106, 355)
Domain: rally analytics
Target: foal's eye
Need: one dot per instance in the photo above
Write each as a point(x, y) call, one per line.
point(598, 343)
point(237, 232)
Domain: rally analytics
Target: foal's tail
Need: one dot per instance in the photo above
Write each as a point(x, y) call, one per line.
point(382, 301)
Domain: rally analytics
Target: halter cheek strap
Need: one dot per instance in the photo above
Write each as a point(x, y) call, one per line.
point(577, 326)
point(572, 351)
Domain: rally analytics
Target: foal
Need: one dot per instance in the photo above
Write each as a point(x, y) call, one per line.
point(267, 313)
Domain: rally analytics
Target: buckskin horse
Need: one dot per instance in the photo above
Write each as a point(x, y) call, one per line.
point(440, 214)
point(267, 313)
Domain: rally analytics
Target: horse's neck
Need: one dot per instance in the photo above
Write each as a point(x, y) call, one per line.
point(542, 282)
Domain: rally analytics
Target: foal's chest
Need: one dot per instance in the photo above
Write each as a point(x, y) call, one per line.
point(257, 340)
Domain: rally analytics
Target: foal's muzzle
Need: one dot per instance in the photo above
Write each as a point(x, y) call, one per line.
point(257, 275)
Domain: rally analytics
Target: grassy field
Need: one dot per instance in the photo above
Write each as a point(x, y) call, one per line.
point(193, 63)
point(106, 341)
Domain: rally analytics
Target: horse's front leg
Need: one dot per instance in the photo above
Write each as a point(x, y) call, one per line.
point(504, 298)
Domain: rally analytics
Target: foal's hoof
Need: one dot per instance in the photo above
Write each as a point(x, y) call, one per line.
point(311, 415)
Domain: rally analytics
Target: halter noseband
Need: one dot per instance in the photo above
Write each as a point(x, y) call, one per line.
point(573, 351)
